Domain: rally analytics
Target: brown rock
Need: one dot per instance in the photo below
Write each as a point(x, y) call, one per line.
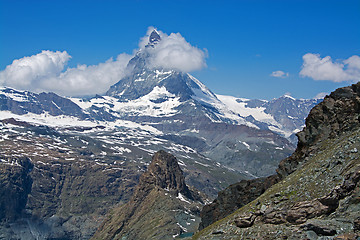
point(274, 217)
point(347, 236)
point(245, 221)
point(302, 211)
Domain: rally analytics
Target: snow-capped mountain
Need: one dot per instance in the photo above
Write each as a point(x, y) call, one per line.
point(248, 136)
point(163, 92)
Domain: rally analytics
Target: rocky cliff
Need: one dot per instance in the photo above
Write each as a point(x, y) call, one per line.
point(15, 185)
point(318, 192)
point(162, 206)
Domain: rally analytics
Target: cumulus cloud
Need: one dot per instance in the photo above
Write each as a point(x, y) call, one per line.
point(24, 72)
point(319, 68)
point(279, 74)
point(173, 52)
point(45, 72)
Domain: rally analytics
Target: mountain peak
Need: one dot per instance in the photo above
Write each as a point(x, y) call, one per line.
point(154, 38)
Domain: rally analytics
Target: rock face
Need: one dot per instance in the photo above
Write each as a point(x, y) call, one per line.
point(318, 192)
point(15, 185)
point(154, 37)
point(337, 114)
point(234, 197)
point(159, 207)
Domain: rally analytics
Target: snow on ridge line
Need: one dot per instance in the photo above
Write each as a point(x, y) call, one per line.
point(241, 108)
point(143, 106)
point(224, 110)
point(288, 96)
point(48, 120)
point(16, 95)
point(69, 121)
point(202, 86)
point(204, 95)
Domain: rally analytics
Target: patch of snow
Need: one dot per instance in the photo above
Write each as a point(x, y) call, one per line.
point(182, 228)
point(139, 79)
point(239, 106)
point(182, 198)
point(181, 163)
point(246, 145)
point(49, 120)
point(144, 106)
point(16, 95)
point(203, 164)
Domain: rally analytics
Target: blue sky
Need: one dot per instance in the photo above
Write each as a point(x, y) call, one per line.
point(245, 41)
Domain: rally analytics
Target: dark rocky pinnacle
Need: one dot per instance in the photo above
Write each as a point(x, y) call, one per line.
point(154, 37)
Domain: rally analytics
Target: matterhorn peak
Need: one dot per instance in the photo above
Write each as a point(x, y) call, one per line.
point(154, 38)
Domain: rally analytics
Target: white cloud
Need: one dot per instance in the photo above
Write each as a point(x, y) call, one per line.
point(319, 68)
point(279, 74)
point(24, 72)
point(94, 79)
point(174, 52)
point(44, 72)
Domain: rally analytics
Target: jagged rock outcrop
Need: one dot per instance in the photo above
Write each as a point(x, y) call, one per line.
point(160, 205)
point(154, 37)
point(318, 192)
point(163, 172)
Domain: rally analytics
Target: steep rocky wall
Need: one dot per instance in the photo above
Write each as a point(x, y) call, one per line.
point(15, 185)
